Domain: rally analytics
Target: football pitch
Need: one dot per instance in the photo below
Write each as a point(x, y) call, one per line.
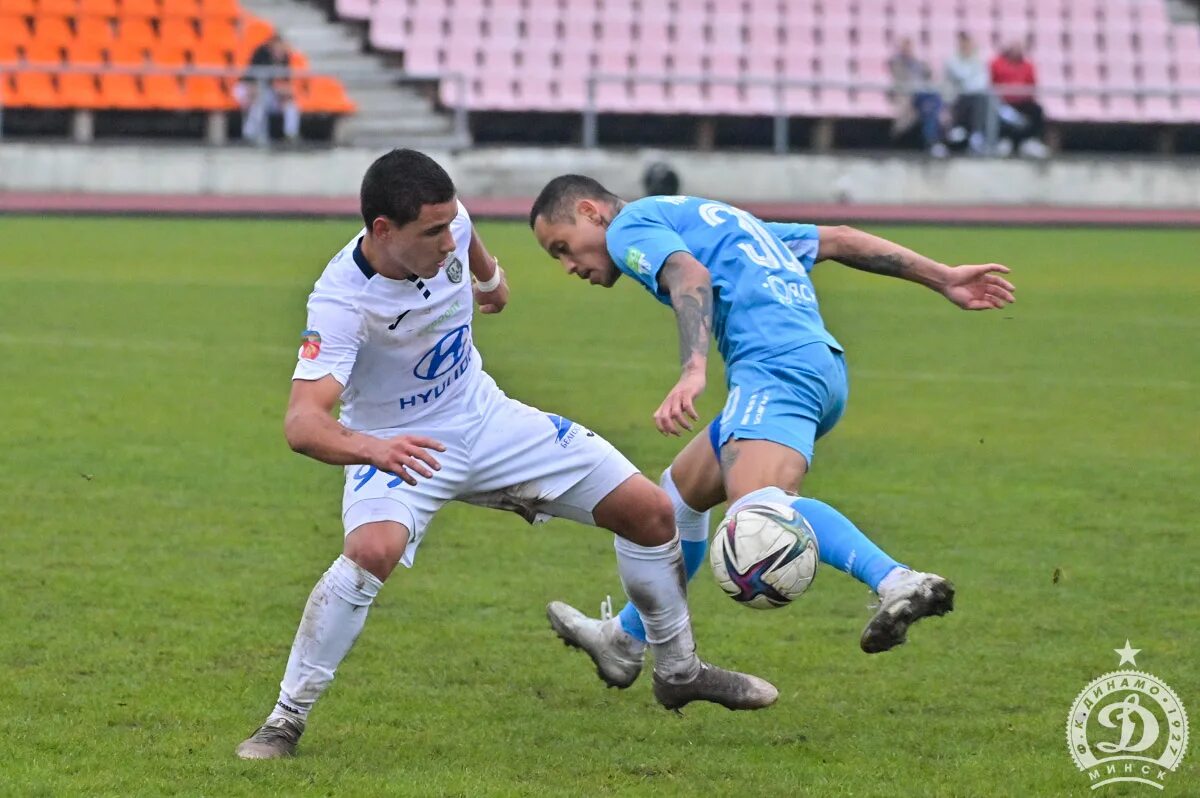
point(158, 540)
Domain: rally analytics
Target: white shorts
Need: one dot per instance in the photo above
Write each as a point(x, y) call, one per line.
point(509, 456)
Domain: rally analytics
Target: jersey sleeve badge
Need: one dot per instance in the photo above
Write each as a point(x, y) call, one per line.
point(635, 261)
point(310, 345)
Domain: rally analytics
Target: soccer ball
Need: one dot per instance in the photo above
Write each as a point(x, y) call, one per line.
point(765, 556)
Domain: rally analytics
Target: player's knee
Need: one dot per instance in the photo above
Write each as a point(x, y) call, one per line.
point(376, 549)
point(656, 520)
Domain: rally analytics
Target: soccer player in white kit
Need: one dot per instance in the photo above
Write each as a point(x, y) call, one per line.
point(421, 424)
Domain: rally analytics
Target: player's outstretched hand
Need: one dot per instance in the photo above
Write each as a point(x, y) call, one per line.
point(493, 301)
point(979, 287)
point(678, 410)
point(406, 453)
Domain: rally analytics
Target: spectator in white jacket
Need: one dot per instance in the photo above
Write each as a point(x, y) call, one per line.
point(969, 84)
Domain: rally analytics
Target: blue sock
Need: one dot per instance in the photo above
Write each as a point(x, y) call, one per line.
point(843, 545)
point(693, 555)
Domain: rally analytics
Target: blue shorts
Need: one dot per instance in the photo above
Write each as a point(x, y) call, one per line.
point(792, 399)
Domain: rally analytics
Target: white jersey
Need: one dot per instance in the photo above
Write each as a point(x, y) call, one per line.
point(402, 349)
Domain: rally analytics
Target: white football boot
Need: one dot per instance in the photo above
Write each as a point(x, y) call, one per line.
point(617, 654)
point(730, 689)
point(905, 599)
point(274, 739)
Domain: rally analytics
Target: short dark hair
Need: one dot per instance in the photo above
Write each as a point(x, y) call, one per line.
point(399, 183)
point(558, 198)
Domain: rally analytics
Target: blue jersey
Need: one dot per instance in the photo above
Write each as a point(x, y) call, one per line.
point(763, 300)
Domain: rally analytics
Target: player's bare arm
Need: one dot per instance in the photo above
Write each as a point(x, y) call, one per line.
point(971, 287)
point(311, 430)
point(690, 287)
point(487, 272)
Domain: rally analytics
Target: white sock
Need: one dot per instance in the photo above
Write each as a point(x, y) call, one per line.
point(893, 576)
point(654, 579)
point(692, 525)
point(333, 618)
point(768, 494)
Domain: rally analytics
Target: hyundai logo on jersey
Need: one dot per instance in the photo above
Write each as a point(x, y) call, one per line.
point(452, 348)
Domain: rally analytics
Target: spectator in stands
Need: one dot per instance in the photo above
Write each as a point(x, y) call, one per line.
point(260, 97)
point(1021, 116)
point(969, 83)
point(916, 98)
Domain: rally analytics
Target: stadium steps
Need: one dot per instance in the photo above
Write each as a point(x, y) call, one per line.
point(1180, 11)
point(389, 114)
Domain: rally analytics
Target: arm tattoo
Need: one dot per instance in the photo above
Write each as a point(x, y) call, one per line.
point(891, 264)
point(693, 312)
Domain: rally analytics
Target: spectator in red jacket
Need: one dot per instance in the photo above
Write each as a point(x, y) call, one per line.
point(1022, 118)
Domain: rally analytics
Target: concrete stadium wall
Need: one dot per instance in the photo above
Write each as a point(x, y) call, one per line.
point(1076, 182)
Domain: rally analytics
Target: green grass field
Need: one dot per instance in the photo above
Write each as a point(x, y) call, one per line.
point(158, 539)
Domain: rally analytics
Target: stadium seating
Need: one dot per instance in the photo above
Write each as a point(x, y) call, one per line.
point(144, 39)
point(703, 56)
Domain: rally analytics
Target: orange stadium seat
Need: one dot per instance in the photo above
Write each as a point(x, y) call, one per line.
point(52, 29)
point(213, 55)
point(85, 53)
point(136, 31)
point(324, 95)
point(139, 8)
point(15, 8)
point(94, 30)
point(169, 54)
point(98, 8)
point(127, 53)
point(57, 8)
point(121, 92)
point(207, 93)
point(33, 90)
point(78, 90)
point(13, 29)
point(9, 53)
point(180, 8)
point(219, 31)
point(44, 51)
point(228, 9)
point(179, 32)
point(164, 92)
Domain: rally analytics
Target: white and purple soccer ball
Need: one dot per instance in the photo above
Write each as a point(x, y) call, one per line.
point(765, 556)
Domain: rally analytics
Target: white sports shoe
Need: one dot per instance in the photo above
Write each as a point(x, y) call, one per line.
point(1032, 148)
point(906, 599)
point(730, 689)
point(274, 739)
point(617, 654)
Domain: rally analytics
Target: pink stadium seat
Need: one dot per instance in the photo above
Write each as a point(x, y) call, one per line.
point(684, 98)
point(763, 63)
point(687, 61)
point(1188, 109)
point(616, 62)
point(647, 97)
point(761, 100)
point(725, 64)
point(723, 98)
point(423, 57)
point(354, 9)
point(388, 33)
point(612, 96)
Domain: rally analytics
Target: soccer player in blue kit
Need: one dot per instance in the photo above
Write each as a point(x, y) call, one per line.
point(726, 273)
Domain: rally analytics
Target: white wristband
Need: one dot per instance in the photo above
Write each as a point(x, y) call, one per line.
point(494, 282)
